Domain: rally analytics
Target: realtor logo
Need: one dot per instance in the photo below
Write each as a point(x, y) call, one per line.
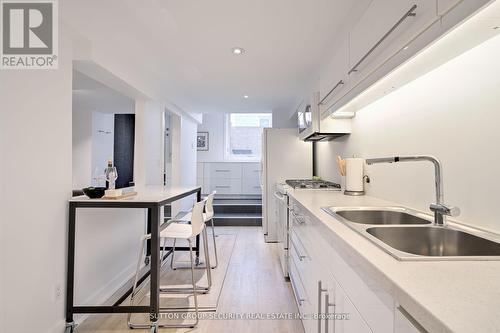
point(29, 34)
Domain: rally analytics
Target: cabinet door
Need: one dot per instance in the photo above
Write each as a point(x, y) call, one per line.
point(250, 186)
point(403, 324)
point(367, 51)
point(222, 185)
point(446, 5)
point(251, 171)
point(222, 170)
point(335, 77)
point(344, 306)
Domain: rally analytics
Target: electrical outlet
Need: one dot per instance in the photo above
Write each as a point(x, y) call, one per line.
point(58, 292)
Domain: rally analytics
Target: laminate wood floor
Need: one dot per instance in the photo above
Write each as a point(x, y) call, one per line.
point(254, 286)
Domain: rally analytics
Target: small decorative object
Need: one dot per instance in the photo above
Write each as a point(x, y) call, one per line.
point(111, 175)
point(99, 178)
point(202, 141)
point(94, 192)
point(113, 193)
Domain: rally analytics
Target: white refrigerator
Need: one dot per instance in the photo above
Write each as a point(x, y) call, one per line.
point(284, 157)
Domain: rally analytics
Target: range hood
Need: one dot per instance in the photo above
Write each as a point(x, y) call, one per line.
point(314, 129)
point(321, 137)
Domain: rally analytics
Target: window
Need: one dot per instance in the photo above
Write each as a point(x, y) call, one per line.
point(243, 135)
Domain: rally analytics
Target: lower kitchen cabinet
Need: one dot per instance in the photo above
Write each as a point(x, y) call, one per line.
point(354, 323)
point(326, 282)
point(234, 178)
point(404, 324)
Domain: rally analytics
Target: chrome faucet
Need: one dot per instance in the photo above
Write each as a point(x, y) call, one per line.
point(439, 208)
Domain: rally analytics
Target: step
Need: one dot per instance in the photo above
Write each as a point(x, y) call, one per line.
point(237, 206)
point(237, 209)
point(241, 219)
point(238, 202)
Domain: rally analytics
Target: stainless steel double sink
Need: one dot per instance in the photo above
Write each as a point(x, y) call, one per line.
point(410, 235)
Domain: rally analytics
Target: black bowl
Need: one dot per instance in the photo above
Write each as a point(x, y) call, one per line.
point(94, 192)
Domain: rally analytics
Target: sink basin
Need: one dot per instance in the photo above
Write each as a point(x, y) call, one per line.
point(435, 241)
point(380, 216)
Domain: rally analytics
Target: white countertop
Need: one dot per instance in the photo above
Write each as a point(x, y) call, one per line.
point(443, 296)
point(144, 194)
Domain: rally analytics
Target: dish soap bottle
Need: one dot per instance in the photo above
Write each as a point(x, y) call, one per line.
point(111, 175)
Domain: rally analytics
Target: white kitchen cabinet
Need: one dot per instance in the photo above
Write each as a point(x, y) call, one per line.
point(250, 179)
point(334, 82)
point(374, 308)
point(381, 16)
point(240, 178)
point(250, 187)
point(251, 171)
point(222, 170)
point(223, 185)
point(343, 305)
point(445, 5)
point(403, 324)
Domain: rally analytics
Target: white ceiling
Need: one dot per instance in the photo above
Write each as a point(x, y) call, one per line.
point(90, 95)
point(184, 46)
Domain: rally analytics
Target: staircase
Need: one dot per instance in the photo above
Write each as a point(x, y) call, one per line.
point(238, 212)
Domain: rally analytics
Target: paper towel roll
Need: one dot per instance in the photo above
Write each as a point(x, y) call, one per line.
point(354, 174)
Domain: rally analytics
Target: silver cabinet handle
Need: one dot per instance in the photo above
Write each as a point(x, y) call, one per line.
point(219, 170)
point(301, 256)
point(299, 219)
point(221, 186)
point(409, 13)
point(298, 297)
point(340, 83)
point(294, 234)
point(321, 290)
point(327, 307)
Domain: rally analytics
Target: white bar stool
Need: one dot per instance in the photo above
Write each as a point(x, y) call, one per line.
point(208, 216)
point(182, 231)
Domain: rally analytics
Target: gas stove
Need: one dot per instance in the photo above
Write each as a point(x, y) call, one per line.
point(310, 184)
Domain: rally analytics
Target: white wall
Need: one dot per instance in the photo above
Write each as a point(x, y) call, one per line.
point(451, 112)
point(154, 143)
point(82, 148)
point(284, 119)
point(188, 157)
point(36, 183)
point(213, 123)
point(103, 132)
point(36, 178)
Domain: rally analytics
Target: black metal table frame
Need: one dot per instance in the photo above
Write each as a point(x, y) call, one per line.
point(153, 214)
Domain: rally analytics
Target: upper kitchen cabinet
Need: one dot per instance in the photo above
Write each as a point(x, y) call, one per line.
point(386, 27)
point(445, 5)
point(334, 83)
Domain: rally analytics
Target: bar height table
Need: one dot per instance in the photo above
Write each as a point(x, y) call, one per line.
point(150, 198)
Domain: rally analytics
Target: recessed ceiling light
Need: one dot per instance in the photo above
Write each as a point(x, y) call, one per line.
point(238, 50)
point(245, 96)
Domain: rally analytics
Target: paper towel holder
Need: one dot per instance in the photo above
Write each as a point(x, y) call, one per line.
point(366, 179)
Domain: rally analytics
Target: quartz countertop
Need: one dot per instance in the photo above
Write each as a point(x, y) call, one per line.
point(144, 194)
point(443, 296)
